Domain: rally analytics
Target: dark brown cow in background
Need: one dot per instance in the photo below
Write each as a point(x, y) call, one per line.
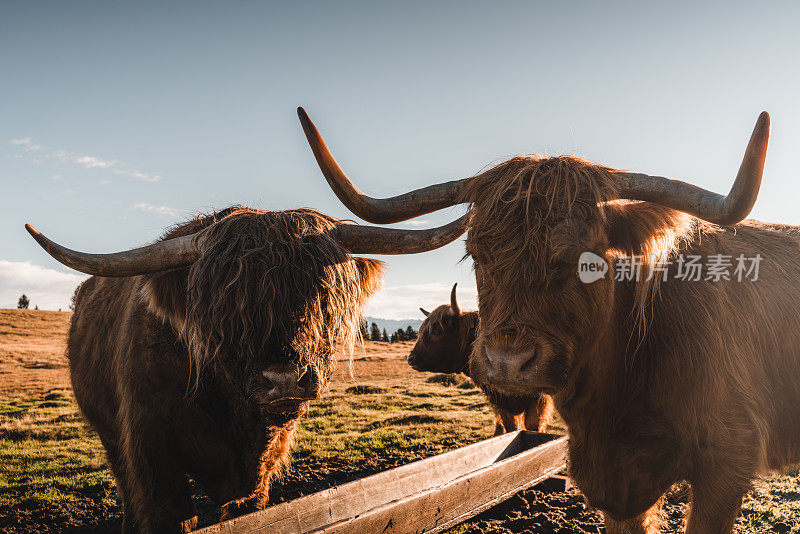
point(658, 381)
point(196, 355)
point(444, 345)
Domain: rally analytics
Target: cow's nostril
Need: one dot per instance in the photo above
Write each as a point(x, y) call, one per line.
point(269, 385)
point(489, 357)
point(306, 380)
point(531, 361)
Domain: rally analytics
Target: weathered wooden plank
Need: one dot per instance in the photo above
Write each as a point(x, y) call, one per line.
point(424, 496)
point(441, 507)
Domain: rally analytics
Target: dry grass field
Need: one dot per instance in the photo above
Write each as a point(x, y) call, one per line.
point(53, 476)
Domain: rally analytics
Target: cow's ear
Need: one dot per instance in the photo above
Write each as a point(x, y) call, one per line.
point(165, 295)
point(643, 228)
point(371, 274)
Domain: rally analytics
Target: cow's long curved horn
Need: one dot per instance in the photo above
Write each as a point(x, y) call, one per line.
point(160, 256)
point(724, 210)
point(358, 239)
point(377, 210)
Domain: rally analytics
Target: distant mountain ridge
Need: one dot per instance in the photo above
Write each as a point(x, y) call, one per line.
point(392, 325)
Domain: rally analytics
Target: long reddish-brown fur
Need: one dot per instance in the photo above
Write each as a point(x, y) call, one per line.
point(657, 382)
point(168, 367)
point(444, 346)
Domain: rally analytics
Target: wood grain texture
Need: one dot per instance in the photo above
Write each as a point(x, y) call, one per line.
point(425, 496)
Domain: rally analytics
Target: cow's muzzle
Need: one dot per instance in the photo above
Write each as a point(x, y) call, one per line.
point(284, 390)
point(515, 372)
point(414, 361)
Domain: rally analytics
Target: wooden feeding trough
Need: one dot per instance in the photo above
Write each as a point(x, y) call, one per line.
point(428, 496)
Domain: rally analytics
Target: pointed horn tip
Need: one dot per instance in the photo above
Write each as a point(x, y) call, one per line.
point(763, 123)
point(453, 299)
point(305, 121)
point(309, 129)
point(39, 237)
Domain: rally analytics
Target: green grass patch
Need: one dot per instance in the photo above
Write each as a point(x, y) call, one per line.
point(49, 458)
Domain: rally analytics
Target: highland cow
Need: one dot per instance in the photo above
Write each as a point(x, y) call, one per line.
point(195, 356)
point(444, 346)
point(659, 378)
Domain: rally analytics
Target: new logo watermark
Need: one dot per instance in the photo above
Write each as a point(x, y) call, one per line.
point(690, 268)
point(591, 267)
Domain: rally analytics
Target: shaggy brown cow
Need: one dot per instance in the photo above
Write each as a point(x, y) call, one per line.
point(444, 346)
point(658, 381)
point(196, 355)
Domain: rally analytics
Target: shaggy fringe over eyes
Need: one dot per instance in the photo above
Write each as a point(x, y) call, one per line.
point(255, 268)
point(521, 214)
point(516, 203)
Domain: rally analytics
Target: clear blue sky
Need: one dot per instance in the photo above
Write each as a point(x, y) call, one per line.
point(119, 119)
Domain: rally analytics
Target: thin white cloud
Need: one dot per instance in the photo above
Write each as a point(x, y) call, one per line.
point(138, 175)
point(47, 288)
point(404, 302)
point(417, 223)
point(160, 210)
point(26, 143)
point(89, 162)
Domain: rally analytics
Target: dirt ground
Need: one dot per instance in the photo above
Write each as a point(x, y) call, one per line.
point(54, 479)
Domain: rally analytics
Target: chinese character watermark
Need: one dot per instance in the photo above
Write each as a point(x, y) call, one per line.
point(689, 268)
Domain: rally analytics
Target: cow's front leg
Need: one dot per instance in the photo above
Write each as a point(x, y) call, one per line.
point(499, 429)
point(159, 497)
point(647, 523)
point(511, 421)
point(716, 501)
point(117, 465)
point(539, 413)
